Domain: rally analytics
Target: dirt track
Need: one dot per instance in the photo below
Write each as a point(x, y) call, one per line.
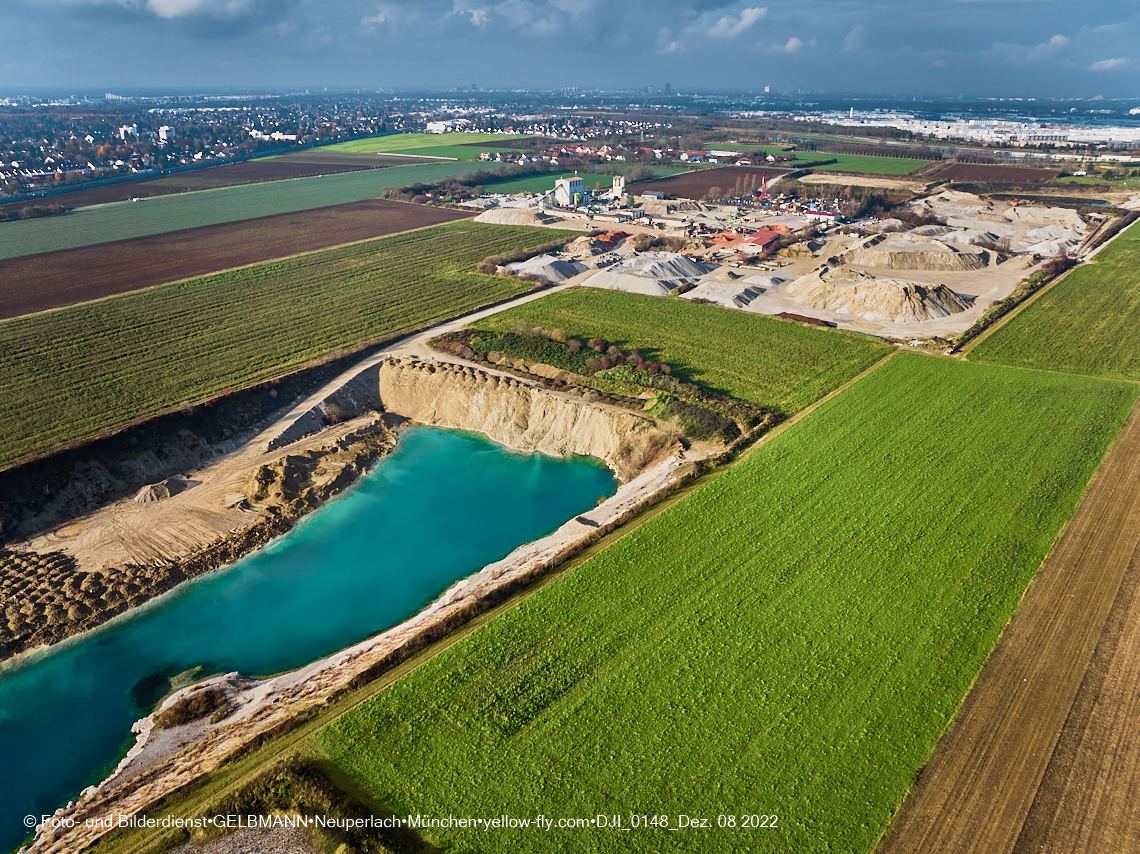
point(1045, 753)
point(55, 279)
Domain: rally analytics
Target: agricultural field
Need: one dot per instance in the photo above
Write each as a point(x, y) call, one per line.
point(177, 212)
point(788, 640)
point(461, 146)
point(70, 373)
point(1084, 324)
point(982, 172)
point(71, 276)
point(696, 185)
point(281, 168)
point(749, 356)
point(867, 165)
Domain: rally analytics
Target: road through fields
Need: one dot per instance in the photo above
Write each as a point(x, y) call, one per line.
point(1045, 752)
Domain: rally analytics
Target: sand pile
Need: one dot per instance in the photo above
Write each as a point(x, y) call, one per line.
point(884, 300)
point(974, 237)
point(513, 216)
point(887, 225)
point(1046, 216)
point(1049, 240)
point(549, 267)
point(653, 273)
point(163, 489)
point(910, 252)
point(996, 224)
point(584, 247)
point(932, 230)
point(734, 293)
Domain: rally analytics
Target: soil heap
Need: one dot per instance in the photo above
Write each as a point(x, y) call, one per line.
point(651, 273)
point(883, 300)
point(911, 252)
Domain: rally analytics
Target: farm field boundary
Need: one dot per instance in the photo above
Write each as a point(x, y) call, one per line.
point(842, 584)
point(1045, 753)
point(461, 146)
point(72, 276)
point(90, 367)
point(989, 173)
point(746, 355)
point(1083, 324)
point(299, 742)
point(278, 168)
point(163, 214)
point(867, 164)
point(696, 184)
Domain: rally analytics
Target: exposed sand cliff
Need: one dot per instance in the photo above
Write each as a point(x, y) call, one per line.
point(164, 761)
point(519, 415)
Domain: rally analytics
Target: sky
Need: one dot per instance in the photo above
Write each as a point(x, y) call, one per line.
point(1027, 48)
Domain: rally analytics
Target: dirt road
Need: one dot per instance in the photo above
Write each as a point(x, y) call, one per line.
point(1045, 753)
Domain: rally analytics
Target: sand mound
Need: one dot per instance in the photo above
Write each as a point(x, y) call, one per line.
point(512, 216)
point(910, 252)
point(1046, 216)
point(862, 295)
point(981, 223)
point(973, 237)
point(653, 273)
point(932, 230)
point(549, 267)
point(733, 293)
point(1049, 240)
point(887, 225)
point(158, 491)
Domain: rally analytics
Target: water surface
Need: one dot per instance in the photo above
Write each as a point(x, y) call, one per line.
point(440, 507)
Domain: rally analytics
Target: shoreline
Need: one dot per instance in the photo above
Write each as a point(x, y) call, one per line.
point(162, 761)
point(337, 459)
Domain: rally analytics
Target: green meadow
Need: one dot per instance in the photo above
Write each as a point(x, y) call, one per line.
point(788, 641)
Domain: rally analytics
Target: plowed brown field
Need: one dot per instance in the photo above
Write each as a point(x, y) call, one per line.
point(303, 164)
point(54, 279)
point(1003, 174)
point(1045, 752)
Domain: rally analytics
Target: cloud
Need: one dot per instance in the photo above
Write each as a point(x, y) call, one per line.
point(478, 15)
point(180, 8)
point(856, 38)
point(1108, 64)
point(792, 45)
point(729, 28)
point(1047, 50)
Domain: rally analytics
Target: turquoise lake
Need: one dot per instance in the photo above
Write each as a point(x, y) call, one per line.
point(440, 507)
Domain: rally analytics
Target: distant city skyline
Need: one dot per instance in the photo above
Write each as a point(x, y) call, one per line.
point(1027, 48)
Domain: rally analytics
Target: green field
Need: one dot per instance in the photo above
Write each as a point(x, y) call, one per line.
point(749, 356)
point(1084, 324)
point(790, 639)
point(867, 165)
point(67, 374)
point(462, 146)
point(164, 214)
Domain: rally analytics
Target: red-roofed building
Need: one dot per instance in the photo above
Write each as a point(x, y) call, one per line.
point(763, 239)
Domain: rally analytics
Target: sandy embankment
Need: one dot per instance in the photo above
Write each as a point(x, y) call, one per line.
point(508, 410)
point(163, 761)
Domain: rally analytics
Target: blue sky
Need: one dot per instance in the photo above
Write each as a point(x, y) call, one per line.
point(975, 47)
